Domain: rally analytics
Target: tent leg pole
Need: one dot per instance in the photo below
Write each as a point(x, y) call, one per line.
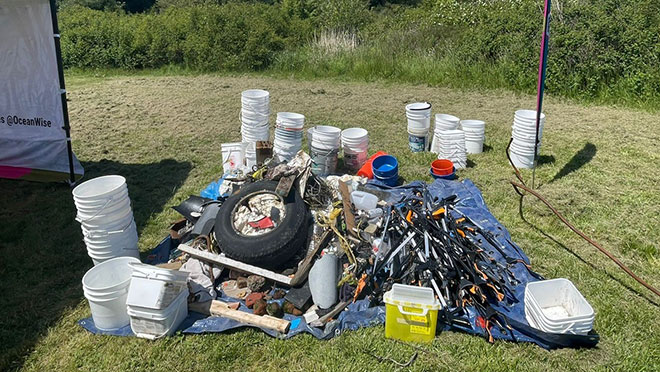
point(60, 71)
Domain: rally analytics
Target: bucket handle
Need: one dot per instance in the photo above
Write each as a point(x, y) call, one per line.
point(120, 231)
point(81, 220)
point(137, 265)
point(402, 311)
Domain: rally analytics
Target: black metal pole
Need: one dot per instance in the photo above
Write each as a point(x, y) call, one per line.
point(60, 71)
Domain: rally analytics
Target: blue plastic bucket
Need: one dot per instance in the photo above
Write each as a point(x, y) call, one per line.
point(385, 166)
point(389, 181)
point(445, 177)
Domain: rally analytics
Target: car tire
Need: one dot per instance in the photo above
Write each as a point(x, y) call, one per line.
point(271, 249)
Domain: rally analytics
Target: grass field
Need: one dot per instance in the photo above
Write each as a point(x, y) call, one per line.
point(163, 133)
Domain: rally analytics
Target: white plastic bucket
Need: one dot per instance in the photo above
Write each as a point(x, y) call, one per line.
point(106, 288)
point(354, 136)
point(355, 142)
point(97, 260)
point(255, 95)
point(111, 205)
point(452, 145)
point(326, 137)
point(418, 115)
point(474, 147)
point(155, 323)
point(324, 161)
point(105, 218)
point(446, 122)
point(528, 115)
point(473, 124)
point(99, 188)
point(257, 100)
point(233, 156)
point(290, 120)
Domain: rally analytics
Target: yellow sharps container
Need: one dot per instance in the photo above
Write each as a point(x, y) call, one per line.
point(411, 313)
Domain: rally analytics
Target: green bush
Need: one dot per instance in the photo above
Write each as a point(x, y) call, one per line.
point(599, 49)
point(228, 37)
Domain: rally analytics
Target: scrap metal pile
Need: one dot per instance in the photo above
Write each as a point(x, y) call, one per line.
point(438, 246)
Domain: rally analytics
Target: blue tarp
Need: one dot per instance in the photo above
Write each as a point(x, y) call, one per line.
point(470, 202)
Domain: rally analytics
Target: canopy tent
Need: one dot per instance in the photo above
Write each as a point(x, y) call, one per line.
point(34, 125)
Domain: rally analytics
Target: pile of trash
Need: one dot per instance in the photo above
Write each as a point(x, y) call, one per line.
point(281, 247)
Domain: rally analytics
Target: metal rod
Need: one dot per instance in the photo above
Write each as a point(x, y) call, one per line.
point(543, 63)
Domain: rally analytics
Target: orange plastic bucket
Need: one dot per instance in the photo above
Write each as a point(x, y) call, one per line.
point(442, 167)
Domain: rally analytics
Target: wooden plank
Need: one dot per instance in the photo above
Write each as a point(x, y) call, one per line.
point(231, 263)
point(348, 214)
point(219, 308)
point(306, 265)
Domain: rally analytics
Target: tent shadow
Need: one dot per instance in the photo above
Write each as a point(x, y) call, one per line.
point(44, 254)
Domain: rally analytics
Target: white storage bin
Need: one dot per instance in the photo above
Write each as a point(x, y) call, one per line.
point(155, 287)
point(556, 306)
point(153, 324)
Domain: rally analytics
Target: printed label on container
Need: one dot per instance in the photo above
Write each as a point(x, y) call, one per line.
point(417, 144)
point(420, 330)
point(419, 319)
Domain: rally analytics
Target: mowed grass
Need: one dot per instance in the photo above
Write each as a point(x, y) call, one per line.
point(600, 168)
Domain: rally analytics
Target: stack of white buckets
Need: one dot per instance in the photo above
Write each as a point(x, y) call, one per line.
point(255, 109)
point(443, 122)
point(524, 137)
point(355, 142)
point(419, 123)
point(324, 149)
point(452, 147)
point(475, 133)
point(106, 218)
point(288, 135)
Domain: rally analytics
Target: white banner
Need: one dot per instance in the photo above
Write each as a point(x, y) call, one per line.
point(31, 117)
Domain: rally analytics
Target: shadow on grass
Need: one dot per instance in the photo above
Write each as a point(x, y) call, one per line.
point(545, 159)
point(44, 256)
point(590, 264)
point(578, 160)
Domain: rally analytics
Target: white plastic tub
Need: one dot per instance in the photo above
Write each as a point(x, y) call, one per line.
point(557, 306)
point(155, 287)
point(153, 324)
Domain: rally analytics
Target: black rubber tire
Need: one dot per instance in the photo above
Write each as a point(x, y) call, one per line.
point(273, 248)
